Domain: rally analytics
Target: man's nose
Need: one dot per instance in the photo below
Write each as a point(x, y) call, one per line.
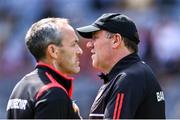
point(80, 51)
point(89, 44)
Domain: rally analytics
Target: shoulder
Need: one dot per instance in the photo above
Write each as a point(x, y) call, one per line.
point(138, 77)
point(28, 85)
point(140, 72)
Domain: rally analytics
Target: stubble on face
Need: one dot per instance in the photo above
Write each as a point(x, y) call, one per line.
point(101, 51)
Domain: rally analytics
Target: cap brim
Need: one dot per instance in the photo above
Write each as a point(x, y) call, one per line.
point(87, 31)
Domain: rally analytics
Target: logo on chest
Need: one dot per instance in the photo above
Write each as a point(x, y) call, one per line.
point(160, 96)
point(16, 104)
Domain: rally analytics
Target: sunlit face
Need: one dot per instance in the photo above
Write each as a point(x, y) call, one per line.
point(69, 52)
point(101, 50)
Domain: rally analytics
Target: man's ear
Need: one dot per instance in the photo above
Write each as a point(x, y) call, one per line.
point(52, 51)
point(116, 41)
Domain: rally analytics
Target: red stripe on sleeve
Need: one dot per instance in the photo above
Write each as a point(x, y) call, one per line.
point(120, 106)
point(116, 105)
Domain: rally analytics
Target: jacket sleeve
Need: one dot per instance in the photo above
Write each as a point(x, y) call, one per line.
point(126, 96)
point(55, 104)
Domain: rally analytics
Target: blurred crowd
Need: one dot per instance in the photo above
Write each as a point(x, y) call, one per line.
point(158, 23)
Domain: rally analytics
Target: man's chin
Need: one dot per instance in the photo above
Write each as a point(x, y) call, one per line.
point(76, 70)
point(95, 65)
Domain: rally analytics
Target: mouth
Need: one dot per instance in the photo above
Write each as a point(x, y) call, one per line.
point(78, 62)
point(92, 55)
point(92, 52)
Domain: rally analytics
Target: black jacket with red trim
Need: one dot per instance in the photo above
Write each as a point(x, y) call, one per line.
point(130, 91)
point(43, 93)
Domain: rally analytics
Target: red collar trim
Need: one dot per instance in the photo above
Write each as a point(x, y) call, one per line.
point(58, 72)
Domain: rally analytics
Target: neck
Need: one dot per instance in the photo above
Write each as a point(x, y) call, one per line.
point(45, 61)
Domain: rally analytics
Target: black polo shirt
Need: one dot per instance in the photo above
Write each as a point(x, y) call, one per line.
point(43, 93)
point(130, 91)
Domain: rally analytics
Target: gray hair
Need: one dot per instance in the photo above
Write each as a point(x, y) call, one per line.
point(42, 33)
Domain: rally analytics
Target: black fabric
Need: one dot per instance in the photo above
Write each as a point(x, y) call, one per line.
point(112, 22)
point(53, 103)
point(137, 88)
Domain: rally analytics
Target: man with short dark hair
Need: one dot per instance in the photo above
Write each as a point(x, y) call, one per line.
point(46, 92)
point(130, 88)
